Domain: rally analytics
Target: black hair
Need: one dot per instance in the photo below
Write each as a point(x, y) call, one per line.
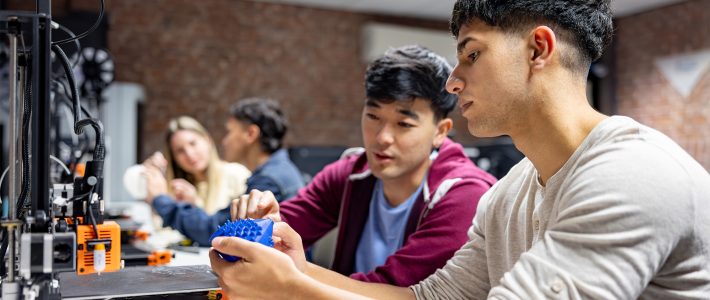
point(410, 72)
point(267, 115)
point(584, 24)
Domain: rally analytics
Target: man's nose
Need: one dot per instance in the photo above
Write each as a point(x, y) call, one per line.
point(385, 136)
point(454, 84)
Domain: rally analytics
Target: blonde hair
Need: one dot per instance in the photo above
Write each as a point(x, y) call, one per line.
point(173, 171)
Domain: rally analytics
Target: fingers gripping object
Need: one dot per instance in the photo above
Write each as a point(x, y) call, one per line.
point(258, 230)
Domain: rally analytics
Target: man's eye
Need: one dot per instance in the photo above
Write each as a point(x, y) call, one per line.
point(372, 117)
point(473, 56)
point(405, 125)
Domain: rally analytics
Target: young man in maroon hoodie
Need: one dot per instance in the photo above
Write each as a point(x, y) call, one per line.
point(403, 204)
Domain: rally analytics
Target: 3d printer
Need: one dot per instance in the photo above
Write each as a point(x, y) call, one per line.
point(53, 223)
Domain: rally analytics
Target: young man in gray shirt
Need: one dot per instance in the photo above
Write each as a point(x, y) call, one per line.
point(601, 207)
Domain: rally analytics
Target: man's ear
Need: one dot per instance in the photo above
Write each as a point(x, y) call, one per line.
point(253, 133)
point(442, 131)
point(542, 43)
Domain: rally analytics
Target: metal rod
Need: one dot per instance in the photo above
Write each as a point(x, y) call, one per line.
point(22, 71)
point(11, 254)
point(13, 124)
point(12, 180)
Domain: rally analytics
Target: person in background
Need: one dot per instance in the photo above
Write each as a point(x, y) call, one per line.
point(255, 133)
point(254, 138)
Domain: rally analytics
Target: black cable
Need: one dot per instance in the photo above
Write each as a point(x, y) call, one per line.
point(88, 197)
point(3, 250)
point(74, 94)
point(99, 150)
point(72, 85)
point(27, 113)
point(76, 42)
point(91, 212)
point(67, 98)
point(93, 222)
point(85, 33)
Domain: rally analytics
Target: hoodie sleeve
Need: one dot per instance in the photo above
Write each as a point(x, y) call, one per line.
point(442, 232)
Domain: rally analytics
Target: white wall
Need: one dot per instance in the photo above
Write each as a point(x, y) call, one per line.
point(377, 38)
point(120, 119)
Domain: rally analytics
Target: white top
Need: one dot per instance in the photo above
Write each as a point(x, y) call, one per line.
point(626, 217)
point(232, 185)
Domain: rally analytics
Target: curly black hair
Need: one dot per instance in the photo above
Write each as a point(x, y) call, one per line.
point(585, 24)
point(267, 115)
point(410, 72)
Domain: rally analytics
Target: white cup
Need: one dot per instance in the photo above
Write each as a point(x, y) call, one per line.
point(135, 183)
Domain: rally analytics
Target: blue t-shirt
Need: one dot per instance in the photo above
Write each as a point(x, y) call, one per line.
point(384, 230)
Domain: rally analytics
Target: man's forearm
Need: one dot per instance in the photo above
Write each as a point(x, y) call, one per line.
point(369, 289)
point(309, 288)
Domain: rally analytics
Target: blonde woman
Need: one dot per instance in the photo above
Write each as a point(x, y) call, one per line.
point(255, 132)
point(191, 172)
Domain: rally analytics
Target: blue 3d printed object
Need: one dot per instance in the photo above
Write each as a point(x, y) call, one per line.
point(259, 231)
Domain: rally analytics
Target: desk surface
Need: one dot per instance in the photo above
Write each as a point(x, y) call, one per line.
point(138, 281)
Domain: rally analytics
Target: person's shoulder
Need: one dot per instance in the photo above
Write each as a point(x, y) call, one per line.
point(233, 169)
point(628, 148)
point(497, 196)
point(627, 164)
point(452, 162)
point(285, 173)
point(279, 162)
point(262, 181)
point(620, 133)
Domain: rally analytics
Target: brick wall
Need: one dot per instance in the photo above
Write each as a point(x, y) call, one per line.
point(645, 94)
point(198, 57)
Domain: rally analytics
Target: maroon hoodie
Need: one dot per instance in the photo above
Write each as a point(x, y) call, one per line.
point(340, 195)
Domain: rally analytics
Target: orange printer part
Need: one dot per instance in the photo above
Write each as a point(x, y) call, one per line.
point(109, 235)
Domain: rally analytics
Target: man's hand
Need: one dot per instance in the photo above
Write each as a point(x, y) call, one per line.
point(289, 242)
point(184, 191)
point(155, 183)
point(263, 272)
point(256, 205)
point(266, 273)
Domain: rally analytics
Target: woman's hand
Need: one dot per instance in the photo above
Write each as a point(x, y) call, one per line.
point(155, 183)
point(157, 161)
point(184, 191)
